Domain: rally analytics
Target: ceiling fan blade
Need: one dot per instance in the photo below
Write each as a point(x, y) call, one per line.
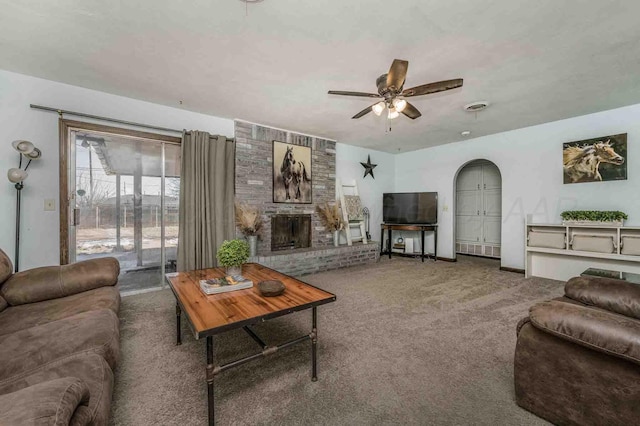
point(366, 95)
point(364, 112)
point(411, 111)
point(397, 74)
point(439, 86)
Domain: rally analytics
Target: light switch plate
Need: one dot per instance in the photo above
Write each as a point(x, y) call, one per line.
point(49, 205)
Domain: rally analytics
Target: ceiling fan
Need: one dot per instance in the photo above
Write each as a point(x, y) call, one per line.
point(390, 89)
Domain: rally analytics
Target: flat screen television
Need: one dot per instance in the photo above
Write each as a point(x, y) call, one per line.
point(410, 207)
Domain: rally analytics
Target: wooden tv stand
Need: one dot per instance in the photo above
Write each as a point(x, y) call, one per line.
point(389, 227)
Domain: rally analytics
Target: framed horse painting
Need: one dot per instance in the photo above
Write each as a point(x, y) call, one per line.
point(291, 173)
point(595, 160)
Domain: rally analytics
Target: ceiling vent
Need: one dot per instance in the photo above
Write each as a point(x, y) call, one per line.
point(476, 106)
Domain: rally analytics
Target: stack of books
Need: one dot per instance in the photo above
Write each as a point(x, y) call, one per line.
point(225, 284)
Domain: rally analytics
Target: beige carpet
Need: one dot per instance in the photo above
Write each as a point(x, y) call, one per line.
point(405, 343)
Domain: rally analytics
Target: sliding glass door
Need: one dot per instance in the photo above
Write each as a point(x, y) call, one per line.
point(123, 197)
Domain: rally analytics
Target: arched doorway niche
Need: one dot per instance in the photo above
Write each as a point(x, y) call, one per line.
point(478, 209)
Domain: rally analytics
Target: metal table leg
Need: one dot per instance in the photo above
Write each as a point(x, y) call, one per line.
point(210, 374)
point(178, 329)
point(314, 345)
point(212, 370)
point(435, 244)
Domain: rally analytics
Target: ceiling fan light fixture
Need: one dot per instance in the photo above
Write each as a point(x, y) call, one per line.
point(399, 104)
point(391, 89)
point(378, 108)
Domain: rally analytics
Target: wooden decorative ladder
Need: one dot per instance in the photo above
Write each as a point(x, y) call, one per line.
point(344, 190)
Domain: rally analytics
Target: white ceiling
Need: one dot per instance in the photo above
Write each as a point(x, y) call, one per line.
point(535, 61)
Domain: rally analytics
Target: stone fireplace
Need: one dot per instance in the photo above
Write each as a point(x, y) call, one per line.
point(290, 231)
point(288, 227)
point(254, 184)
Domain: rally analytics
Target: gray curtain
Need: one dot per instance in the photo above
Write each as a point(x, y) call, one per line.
point(206, 199)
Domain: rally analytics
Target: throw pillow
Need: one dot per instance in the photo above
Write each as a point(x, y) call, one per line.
point(354, 208)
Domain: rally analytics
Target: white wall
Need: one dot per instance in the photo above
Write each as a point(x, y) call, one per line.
point(40, 235)
point(530, 160)
point(348, 168)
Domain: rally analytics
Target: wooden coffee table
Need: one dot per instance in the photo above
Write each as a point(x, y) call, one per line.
point(213, 314)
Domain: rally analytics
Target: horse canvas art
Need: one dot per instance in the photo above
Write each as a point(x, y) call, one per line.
point(291, 173)
point(595, 160)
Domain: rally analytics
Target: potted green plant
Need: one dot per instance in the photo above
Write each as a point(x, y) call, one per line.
point(593, 217)
point(232, 254)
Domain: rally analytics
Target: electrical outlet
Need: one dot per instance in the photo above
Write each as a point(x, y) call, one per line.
point(49, 205)
point(445, 208)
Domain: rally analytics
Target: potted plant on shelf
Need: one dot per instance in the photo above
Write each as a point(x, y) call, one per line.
point(249, 221)
point(232, 254)
point(593, 217)
point(330, 218)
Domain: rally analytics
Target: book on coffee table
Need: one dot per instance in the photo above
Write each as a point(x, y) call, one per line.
point(224, 284)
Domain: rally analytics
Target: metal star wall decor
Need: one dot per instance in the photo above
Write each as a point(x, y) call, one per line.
point(368, 167)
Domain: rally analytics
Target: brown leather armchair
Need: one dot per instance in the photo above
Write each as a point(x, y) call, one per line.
point(577, 358)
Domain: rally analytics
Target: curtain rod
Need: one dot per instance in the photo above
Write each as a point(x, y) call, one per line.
point(97, 117)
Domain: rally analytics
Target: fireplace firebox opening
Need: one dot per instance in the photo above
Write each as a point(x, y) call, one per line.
point(290, 231)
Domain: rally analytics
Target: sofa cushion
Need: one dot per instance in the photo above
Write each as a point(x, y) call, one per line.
point(6, 268)
point(47, 403)
point(597, 329)
point(49, 282)
point(613, 295)
point(93, 331)
point(16, 318)
point(3, 304)
point(91, 369)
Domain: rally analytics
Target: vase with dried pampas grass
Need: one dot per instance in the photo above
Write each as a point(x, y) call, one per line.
point(330, 218)
point(249, 221)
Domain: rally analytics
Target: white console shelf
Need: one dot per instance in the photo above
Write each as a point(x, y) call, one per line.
point(550, 252)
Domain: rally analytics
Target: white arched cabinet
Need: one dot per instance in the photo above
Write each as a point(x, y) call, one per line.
point(479, 209)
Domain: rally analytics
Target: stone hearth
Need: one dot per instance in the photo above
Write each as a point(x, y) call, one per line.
point(307, 261)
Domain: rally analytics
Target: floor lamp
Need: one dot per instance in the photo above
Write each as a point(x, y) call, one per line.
point(17, 175)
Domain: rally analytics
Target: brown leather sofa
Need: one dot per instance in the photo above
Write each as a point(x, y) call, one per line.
point(59, 343)
point(577, 359)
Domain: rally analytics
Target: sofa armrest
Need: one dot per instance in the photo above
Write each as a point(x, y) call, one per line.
point(521, 324)
point(613, 295)
point(596, 329)
point(55, 400)
point(52, 282)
